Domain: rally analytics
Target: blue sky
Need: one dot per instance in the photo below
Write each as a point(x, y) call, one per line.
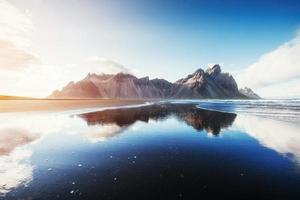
point(155, 36)
point(160, 38)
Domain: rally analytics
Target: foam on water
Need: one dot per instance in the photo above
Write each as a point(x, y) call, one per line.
point(280, 109)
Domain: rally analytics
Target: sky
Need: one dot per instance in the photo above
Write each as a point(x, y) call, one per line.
point(44, 44)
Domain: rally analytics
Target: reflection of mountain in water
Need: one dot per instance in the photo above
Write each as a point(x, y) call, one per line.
point(199, 119)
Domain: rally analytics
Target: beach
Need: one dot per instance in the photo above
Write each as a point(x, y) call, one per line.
point(165, 150)
point(61, 104)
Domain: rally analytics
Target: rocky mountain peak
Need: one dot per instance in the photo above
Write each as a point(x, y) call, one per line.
point(91, 74)
point(97, 77)
point(215, 70)
point(145, 79)
point(123, 76)
point(211, 83)
point(199, 72)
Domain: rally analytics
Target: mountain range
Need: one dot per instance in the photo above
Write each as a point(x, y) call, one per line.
point(212, 83)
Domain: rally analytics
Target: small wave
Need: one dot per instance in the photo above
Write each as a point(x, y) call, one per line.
point(96, 109)
point(282, 109)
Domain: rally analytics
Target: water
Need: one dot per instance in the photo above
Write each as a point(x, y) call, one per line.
point(279, 109)
point(168, 150)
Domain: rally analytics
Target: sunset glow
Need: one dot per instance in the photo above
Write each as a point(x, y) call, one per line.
point(46, 44)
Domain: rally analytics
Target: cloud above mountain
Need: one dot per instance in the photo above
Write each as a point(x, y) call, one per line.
point(104, 65)
point(54, 76)
point(276, 67)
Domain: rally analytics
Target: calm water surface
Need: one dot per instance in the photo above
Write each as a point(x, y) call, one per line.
point(161, 151)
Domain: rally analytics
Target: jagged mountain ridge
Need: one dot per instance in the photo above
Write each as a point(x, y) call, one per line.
point(249, 93)
point(211, 83)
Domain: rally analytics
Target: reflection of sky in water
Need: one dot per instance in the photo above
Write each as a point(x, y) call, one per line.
point(280, 136)
point(64, 154)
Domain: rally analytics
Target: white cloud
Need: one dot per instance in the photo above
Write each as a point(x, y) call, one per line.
point(14, 58)
point(103, 65)
point(41, 81)
point(282, 90)
point(16, 29)
point(275, 67)
point(16, 26)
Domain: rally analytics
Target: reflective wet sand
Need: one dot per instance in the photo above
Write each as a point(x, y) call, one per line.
point(159, 151)
point(60, 104)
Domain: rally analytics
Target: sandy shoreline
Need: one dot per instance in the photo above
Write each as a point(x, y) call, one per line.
point(60, 105)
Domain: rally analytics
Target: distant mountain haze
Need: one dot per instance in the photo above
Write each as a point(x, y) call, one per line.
point(211, 83)
point(249, 93)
